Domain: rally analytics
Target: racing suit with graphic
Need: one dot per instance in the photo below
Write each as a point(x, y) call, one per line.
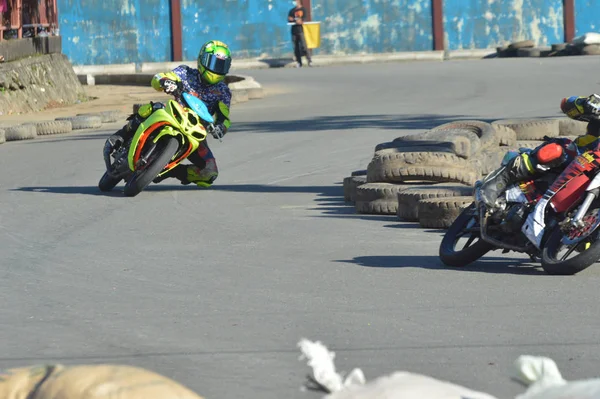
point(553, 153)
point(203, 171)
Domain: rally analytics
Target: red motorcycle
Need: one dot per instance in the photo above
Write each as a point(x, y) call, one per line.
point(549, 218)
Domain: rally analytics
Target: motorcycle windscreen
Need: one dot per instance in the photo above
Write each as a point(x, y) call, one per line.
point(570, 193)
point(198, 107)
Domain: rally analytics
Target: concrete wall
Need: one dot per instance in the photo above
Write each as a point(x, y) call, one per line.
point(250, 27)
point(489, 23)
point(115, 31)
point(373, 26)
point(587, 16)
point(124, 31)
point(256, 27)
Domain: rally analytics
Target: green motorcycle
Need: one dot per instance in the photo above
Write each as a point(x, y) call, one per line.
point(161, 142)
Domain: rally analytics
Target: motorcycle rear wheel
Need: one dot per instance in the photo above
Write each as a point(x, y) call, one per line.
point(472, 250)
point(107, 183)
point(568, 267)
point(142, 178)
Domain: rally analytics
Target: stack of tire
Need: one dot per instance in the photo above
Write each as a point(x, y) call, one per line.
point(429, 177)
point(524, 48)
point(62, 125)
point(587, 44)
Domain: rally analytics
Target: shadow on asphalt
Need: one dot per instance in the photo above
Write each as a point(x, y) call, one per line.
point(82, 190)
point(347, 122)
point(327, 191)
point(60, 138)
point(490, 264)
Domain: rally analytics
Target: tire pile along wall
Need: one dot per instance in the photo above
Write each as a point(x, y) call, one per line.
point(62, 125)
point(429, 177)
point(587, 44)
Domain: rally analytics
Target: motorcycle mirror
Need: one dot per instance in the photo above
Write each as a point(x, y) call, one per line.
point(198, 107)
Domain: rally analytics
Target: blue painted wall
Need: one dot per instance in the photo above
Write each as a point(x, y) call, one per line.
point(122, 31)
point(489, 23)
point(587, 16)
point(250, 27)
point(115, 31)
point(256, 27)
point(373, 26)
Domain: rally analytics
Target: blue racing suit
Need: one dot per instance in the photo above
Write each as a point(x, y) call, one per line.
point(217, 98)
point(203, 171)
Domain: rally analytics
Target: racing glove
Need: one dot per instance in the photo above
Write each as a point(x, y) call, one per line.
point(218, 132)
point(171, 86)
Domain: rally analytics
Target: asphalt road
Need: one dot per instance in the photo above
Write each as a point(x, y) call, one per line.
point(215, 287)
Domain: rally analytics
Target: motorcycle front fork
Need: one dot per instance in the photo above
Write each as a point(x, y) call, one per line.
point(585, 206)
point(119, 167)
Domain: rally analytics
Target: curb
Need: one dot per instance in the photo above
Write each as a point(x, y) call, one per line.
point(243, 88)
point(470, 54)
point(141, 74)
point(287, 62)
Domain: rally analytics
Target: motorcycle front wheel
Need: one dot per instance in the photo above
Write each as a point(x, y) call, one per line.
point(161, 157)
point(465, 226)
point(561, 244)
point(107, 182)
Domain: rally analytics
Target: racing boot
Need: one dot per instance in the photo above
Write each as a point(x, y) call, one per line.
point(516, 169)
point(178, 172)
point(202, 177)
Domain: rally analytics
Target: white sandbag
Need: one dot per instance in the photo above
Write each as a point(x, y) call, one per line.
point(89, 382)
point(400, 384)
point(406, 385)
point(545, 381)
point(588, 38)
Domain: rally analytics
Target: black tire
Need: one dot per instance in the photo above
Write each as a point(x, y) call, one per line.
point(359, 173)
point(591, 49)
point(107, 183)
point(485, 131)
point(521, 44)
point(408, 200)
point(464, 141)
point(448, 254)
point(440, 213)
point(425, 144)
point(351, 183)
point(420, 164)
point(141, 179)
point(571, 266)
point(531, 129)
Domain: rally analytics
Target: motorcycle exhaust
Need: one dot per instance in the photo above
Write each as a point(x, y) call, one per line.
point(493, 241)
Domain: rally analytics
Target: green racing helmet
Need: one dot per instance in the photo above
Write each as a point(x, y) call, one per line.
point(214, 61)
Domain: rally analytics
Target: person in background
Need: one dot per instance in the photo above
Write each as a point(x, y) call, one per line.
point(296, 16)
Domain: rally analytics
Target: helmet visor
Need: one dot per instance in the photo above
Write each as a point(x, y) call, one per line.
point(215, 64)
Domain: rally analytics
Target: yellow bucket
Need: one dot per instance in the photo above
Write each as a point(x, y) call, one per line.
point(312, 34)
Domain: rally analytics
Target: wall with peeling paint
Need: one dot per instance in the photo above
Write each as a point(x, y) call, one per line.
point(123, 31)
point(250, 27)
point(373, 26)
point(259, 27)
point(115, 31)
point(587, 16)
point(472, 24)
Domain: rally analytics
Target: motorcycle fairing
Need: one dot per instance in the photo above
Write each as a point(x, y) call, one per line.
point(534, 226)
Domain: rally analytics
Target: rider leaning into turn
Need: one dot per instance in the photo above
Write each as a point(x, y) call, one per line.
point(206, 83)
point(552, 154)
